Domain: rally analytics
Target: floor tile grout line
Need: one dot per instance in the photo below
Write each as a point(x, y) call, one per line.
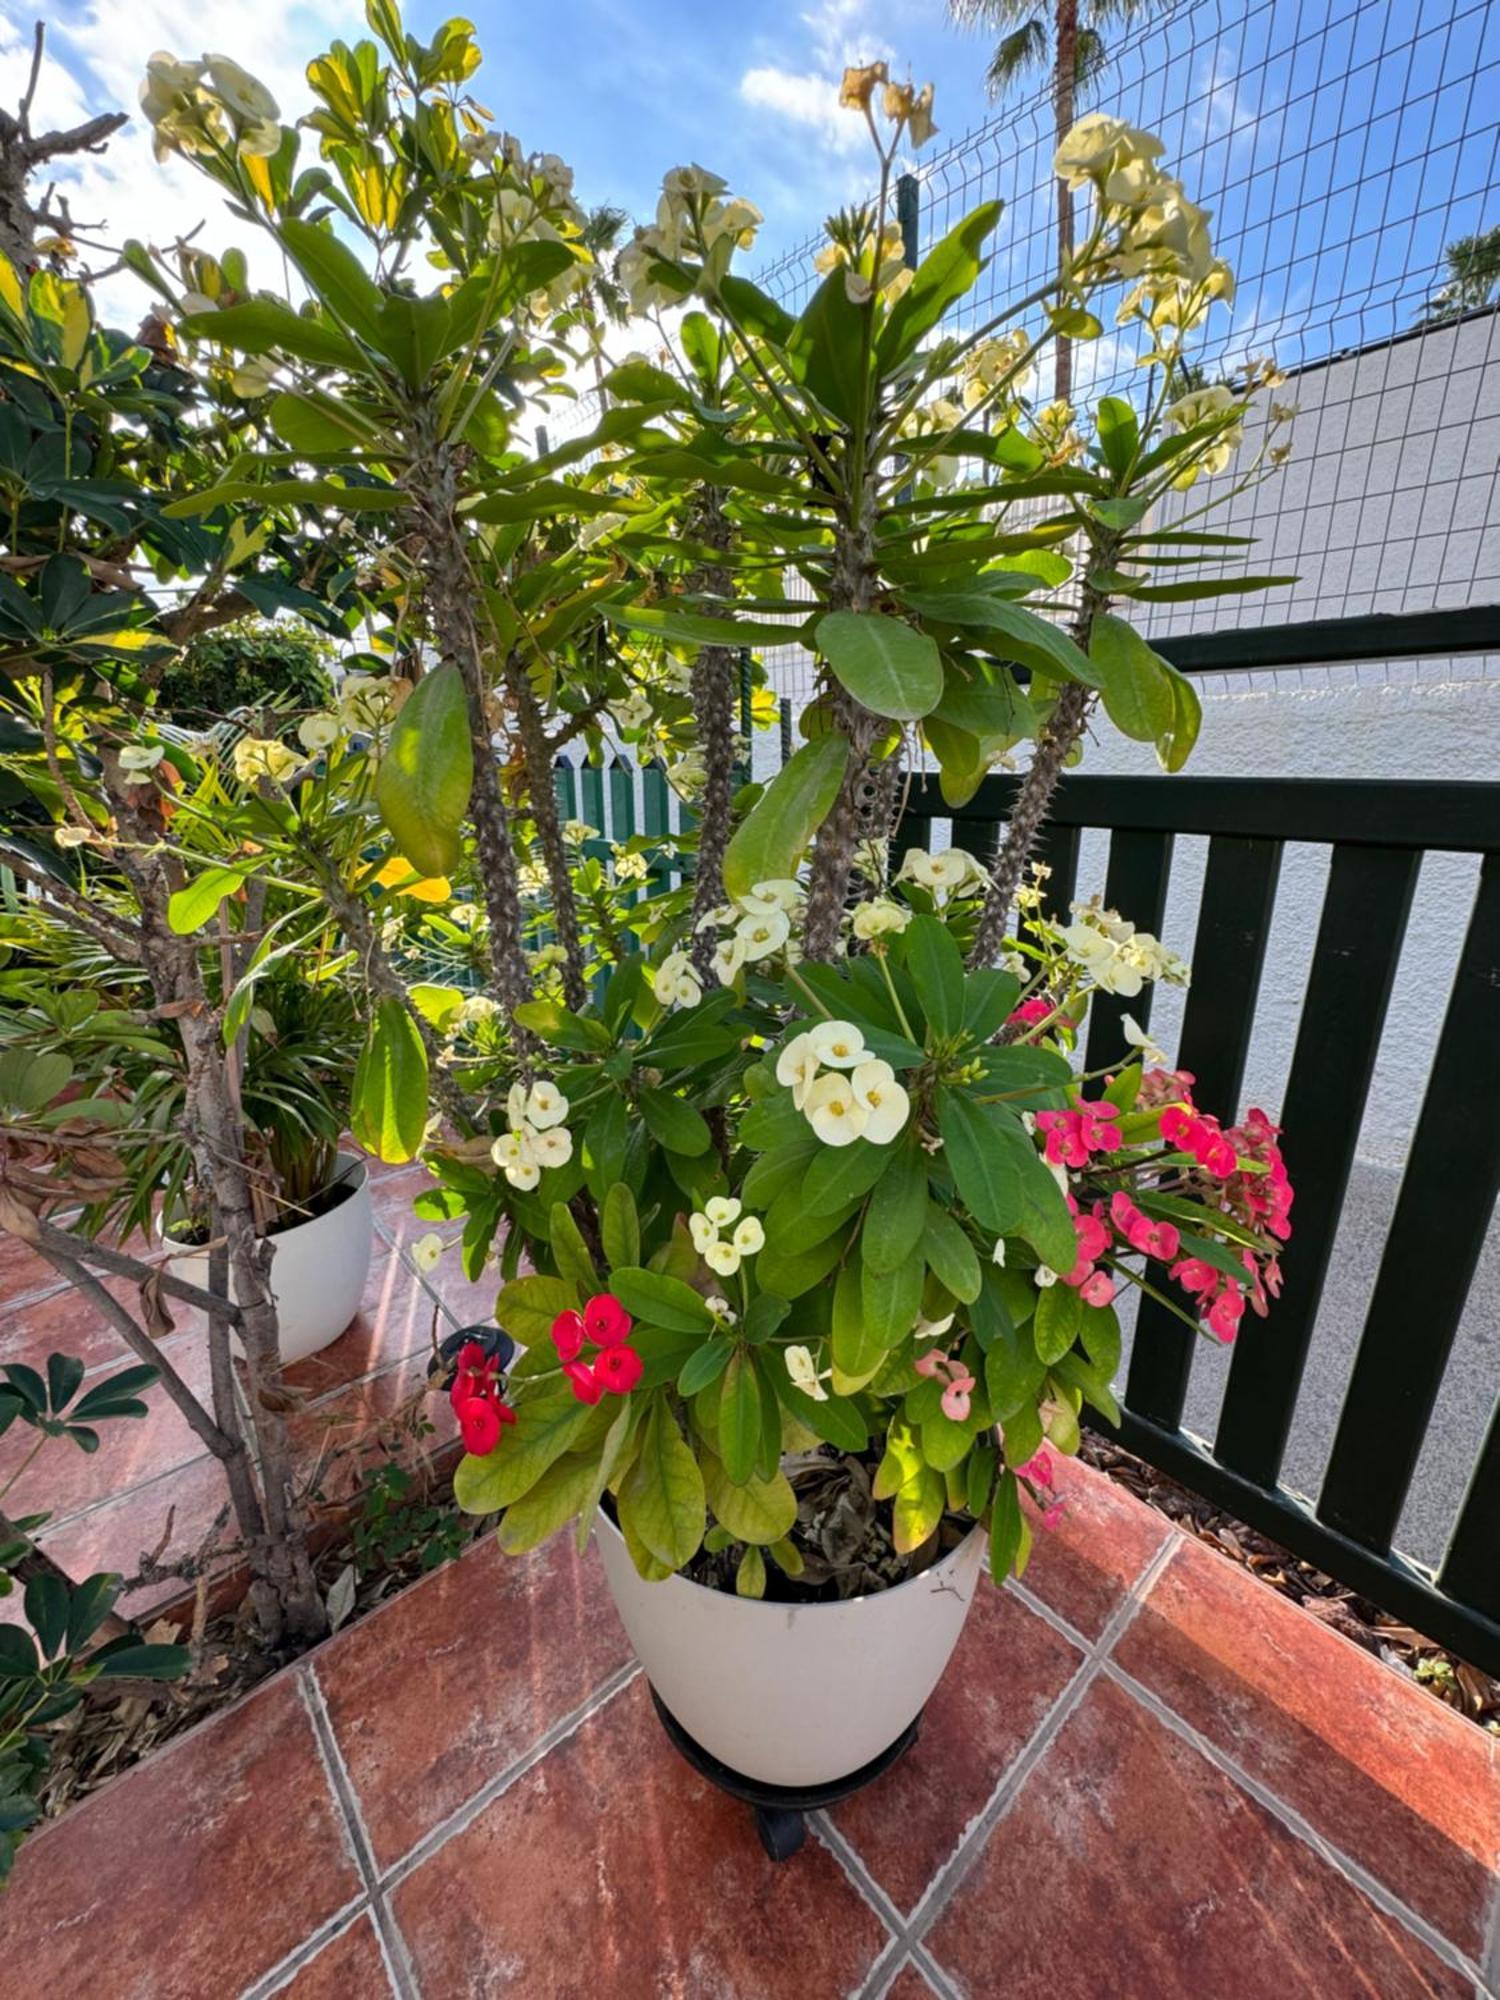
point(291, 1963)
point(464, 1816)
point(35, 1296)
point(125, 1492)
point(1369, 1886)
point(1492, 1933)
point(939, 1891)
point(392, 1945)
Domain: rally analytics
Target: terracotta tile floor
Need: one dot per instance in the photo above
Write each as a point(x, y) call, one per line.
point(1143, 1778)
point(151, 1486)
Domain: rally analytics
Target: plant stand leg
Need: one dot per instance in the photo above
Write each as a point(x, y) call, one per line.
point(780, 1810)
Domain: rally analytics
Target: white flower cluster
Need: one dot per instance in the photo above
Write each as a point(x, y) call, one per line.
point(762, 925)
point(952, 873)
point(675, 981)
point(1165, 239)
point(537, 1137)
point(137, 762)
point(723, 1254)
point(691, 221)
point(206, 106)
point(844, 1092)
point(1115, 955)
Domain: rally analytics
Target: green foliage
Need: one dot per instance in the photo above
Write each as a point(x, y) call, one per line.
point(254, 664)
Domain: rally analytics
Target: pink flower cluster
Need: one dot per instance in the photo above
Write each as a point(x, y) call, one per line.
point(940, 1367)
point(1040, 1474)
point(1097, 1229)
point(1030, 1012)
point(1074, 1136)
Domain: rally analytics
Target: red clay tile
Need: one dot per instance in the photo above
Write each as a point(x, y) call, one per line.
point(194, 1874)
point(909, 1984)
point(22, 1272)
point(1403, 1785)
point(349, 1967)
point(1009, 1668)
point(391, 1200)
point(1130, 1867)
point(116, 1535)
point(611, 1868)
point(460, 1676)
point(64, 1479)
point(396, 1318)
point(1084, 1566)
point(65, 1322)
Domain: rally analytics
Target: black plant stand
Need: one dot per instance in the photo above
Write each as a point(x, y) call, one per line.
point(780, 1810)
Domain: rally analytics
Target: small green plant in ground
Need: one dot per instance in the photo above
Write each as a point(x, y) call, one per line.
point(401, 1523)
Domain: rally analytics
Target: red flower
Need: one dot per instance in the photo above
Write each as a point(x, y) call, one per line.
point(479, 1425)
point(477, 1374)
point(586, 1385)
point(567, 1335)
point(618, 1369)
point(606, 1320)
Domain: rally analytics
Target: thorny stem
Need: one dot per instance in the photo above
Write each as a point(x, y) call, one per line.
point(713, 706)
point(536, 757)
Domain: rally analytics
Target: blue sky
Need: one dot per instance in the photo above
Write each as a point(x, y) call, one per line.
point(1340, 142)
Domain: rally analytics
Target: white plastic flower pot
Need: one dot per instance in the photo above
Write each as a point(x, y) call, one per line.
point(794, 1694)
point(319, 1270)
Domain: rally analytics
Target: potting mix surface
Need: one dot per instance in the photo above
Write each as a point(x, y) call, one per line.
point(1144, 1774)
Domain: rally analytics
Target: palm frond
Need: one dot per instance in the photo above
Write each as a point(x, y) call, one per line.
point(1026, 48)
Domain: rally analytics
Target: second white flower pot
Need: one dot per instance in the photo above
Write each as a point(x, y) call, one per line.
point(794, 1694)
point(318, 1273)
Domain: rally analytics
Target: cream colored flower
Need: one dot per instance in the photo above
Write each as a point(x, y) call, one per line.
point(766, 898)
point(240, 93)
point(919, 125)
point(552, 1147)
point(797, 1065)
point(675, 982)
point(879, 918)
point(729, 957)
point(318, 732)
point(681, 183)
point(545, 1106)
point(722, 1209)
point(749, 1236)
point(834, 1112)
point(758, 937)
point(837, 1043)
point(427, 1251)
point(1045, 1277)
point(1137, 1038)
point(515, 1107)
point(803, 1373)
point(138, 760)
point(722, 1258)
point(257, 757)
point(629, 865)
point(884, 1101)
point(512, 1152)
point(997, 1255)
point(702, 1231)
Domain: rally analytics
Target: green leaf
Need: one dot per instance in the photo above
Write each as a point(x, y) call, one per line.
point(839, 1175)
point(662, 1495)
point(759, 1511)
point(990, 997)
point(265, 326)
point(897, 1213)
point(1010, 1531)
point(570, 1253)
point(1024, 636)
point(704, 1365)
point(792, 1275)
point(750, 1576)
point(920, 1505)
point(46, 1606)
point(977, 1146)
point(338, 280)
point(950, 1256)
point(740, 1418)
point(825, 349)
point(890, 1302)
point(556, 1497)
point(937, 970)
point(949, 269)
point(674, 1124)
point(695, 628)
point(427, 773)
point(29, 1080)
point(770, 844)
point(1173, 750)
point(389, 1110)
point(191, 907)
point(556, 1023)
point(620, 1226)
point(143, 1663)
point(1119, 434)
point(661, 1300)
point(1058, 1321)
point(894, 670)
point(838, 1420)
point(1224, 586)
point(855, 1348)
point(1137, 688)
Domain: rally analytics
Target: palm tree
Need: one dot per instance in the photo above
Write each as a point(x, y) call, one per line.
point(1473, 276)
point(1068, 45)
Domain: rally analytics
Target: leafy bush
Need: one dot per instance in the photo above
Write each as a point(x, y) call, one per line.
point(251, 664)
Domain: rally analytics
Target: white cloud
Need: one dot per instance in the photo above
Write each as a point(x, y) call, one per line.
point(809, 100)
